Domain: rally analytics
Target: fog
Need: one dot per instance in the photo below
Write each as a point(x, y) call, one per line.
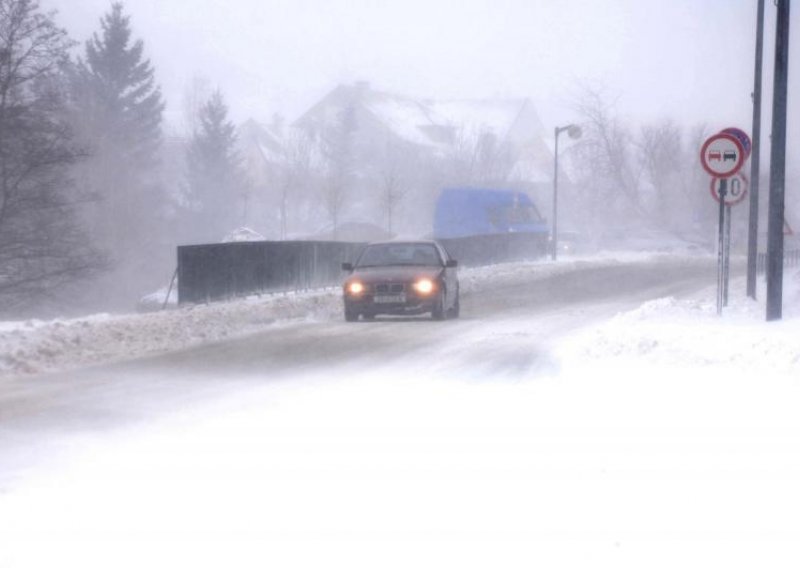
point(489, 403)
point(295, 120)
point(681, 58)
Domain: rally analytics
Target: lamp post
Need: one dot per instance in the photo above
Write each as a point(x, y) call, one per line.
point(574, 132)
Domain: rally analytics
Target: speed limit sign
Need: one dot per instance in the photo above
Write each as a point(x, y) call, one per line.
point(736, 191)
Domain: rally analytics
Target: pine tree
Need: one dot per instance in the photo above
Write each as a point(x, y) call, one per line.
point(118, 111)
point(214, 172)
point(127, 103)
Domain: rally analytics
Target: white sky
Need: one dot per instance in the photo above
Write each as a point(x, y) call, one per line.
point(691, 60)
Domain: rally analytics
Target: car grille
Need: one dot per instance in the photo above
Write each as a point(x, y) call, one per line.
point(389, 288)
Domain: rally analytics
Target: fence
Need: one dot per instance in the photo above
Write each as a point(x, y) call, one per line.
point(790, 258)
point(226, 270)
point(221, 271)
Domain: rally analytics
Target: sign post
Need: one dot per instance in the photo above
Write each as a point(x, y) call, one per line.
point(723, 190)
point(722, 156)
point(727, 258)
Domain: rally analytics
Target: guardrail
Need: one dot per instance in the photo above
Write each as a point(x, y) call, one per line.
point(222, 271)
point(791, 258)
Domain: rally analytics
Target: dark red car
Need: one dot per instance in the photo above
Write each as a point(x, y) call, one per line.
point(402, 278)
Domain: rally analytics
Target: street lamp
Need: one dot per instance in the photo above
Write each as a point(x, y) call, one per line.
point(574, 132)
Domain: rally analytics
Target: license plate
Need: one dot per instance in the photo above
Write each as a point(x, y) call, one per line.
point(396, 299)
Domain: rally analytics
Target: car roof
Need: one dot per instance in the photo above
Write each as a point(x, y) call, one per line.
point(405, 242)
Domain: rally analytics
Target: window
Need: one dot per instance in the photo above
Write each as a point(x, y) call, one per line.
point(403, 254)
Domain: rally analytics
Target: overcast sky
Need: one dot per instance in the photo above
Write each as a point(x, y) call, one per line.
point(691, 60)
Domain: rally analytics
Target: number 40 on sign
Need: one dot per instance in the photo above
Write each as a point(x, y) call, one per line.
point(736, 192)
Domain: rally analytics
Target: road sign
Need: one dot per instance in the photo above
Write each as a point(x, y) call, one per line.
point(742, 137)
point(722, 155)
point(736, 190)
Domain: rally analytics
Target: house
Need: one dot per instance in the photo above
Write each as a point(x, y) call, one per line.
point(391, 154)
point(437, 128)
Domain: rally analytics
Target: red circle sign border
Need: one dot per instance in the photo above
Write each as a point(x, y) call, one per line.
point(730, 203)
point(711, 140)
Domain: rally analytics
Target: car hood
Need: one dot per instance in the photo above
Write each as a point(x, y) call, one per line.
point(395, 273)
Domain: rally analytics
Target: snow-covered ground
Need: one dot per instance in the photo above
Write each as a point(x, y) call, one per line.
point(30, 347)
point(689, 332)
point(664, 437)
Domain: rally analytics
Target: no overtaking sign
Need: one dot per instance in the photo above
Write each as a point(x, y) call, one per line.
point(722, 155)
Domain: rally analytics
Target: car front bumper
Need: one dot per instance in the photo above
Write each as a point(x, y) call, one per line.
point(412, 305)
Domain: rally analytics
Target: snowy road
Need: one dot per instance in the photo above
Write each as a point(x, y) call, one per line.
point(475, 442)
point(493, 312)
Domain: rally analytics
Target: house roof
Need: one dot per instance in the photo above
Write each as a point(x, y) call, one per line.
point(267, 139)
point(411, 119)
point(436, 125)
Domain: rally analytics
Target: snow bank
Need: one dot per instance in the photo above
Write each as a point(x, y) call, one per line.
point(665, 330)
point(35, 346)
point(688, 333)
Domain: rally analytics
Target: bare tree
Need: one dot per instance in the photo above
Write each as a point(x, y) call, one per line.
point(41, 245)
point(397, 161)
point(478, 157)
point(661, 154)
point(337, 149)
point(607, 172)
point(295, 170)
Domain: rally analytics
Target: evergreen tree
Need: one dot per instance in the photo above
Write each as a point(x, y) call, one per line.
point(41, 245)
point(127, 103)
point(119, 112)
point(214, 172)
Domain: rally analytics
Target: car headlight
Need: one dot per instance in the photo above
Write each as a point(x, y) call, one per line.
point(424, 286)
point(355, 288)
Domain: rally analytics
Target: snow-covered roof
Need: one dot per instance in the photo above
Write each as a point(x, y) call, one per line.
point(438, 124)
point(405, 117)
point(410, 118)
point(495, 116)
point(263, 138)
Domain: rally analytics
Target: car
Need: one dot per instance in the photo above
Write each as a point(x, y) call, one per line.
point(402, 278)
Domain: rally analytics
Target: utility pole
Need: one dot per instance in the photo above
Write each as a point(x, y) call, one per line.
point(778, 166)
point(554, 233)
point(755, 158)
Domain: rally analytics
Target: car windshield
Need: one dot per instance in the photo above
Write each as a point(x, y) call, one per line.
point(400, 254)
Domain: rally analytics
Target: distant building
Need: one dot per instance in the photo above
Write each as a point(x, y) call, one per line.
point(438, 127)
point(372, 143)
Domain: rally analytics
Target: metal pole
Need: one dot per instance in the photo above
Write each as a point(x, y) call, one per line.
point(169, 290)
point(554, 238)
point(727, 258)
point(755, 159)
point(777, 177)
point(723, 191)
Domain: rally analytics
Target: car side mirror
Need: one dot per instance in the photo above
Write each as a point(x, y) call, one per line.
point(451, 263)
point(347, 266)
